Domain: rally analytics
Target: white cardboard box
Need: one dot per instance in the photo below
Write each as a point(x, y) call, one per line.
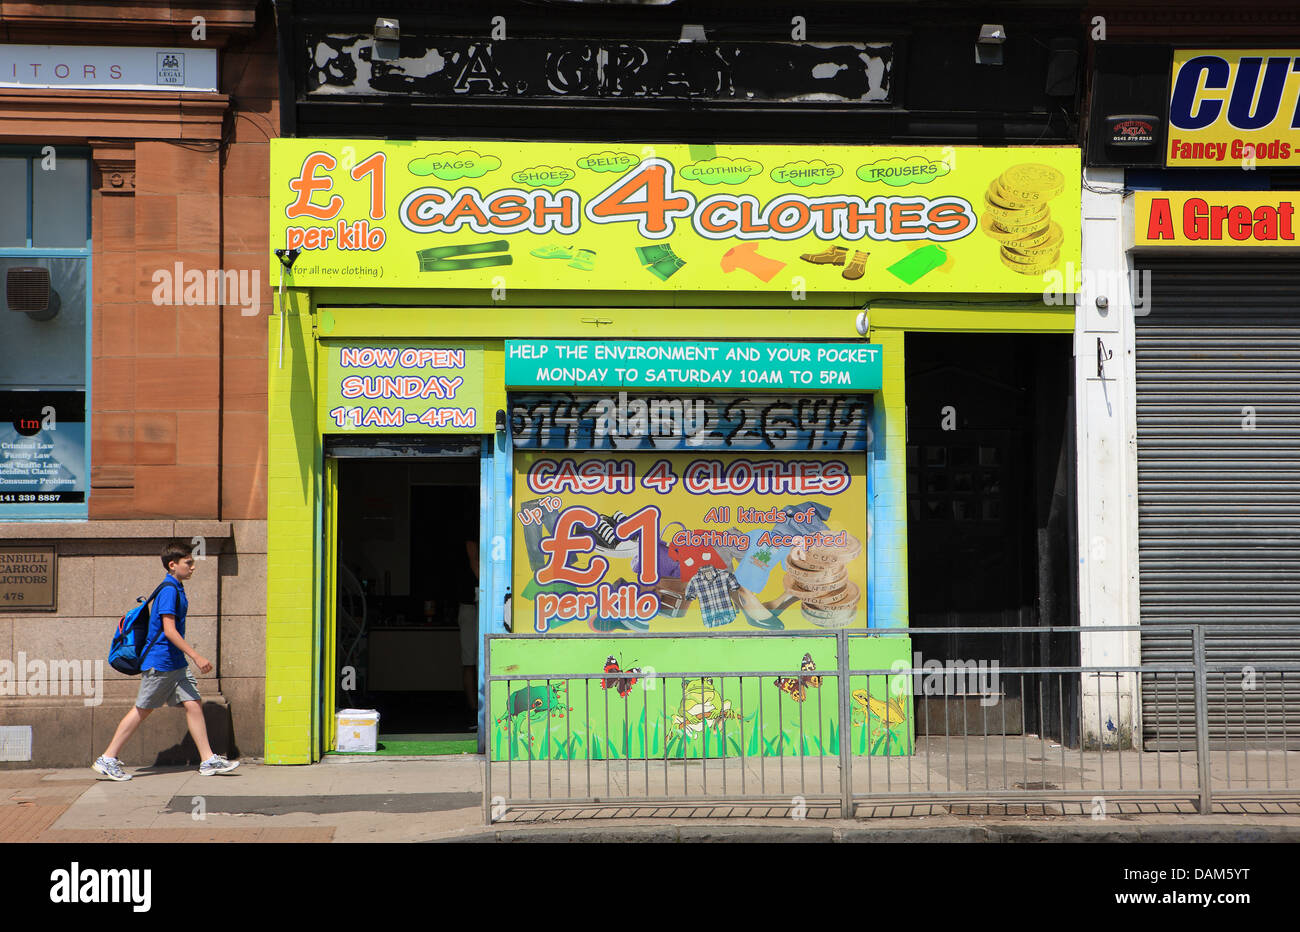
point(358, 730)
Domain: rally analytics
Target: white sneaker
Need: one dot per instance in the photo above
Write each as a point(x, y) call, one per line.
point(110, 767)
point(216, 764)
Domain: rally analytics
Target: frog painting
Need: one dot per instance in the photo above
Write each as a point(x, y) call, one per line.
point(701, 705)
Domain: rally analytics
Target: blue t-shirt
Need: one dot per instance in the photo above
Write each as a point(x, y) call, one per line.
point(757, 562)
point(798, 528)
point(164, 655)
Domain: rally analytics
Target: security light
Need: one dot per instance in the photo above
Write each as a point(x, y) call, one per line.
point(387, 33)
point(988, 47)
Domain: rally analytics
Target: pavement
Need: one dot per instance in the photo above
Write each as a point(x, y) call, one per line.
point(438, 799)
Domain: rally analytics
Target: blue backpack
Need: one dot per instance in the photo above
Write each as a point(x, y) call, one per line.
point(125, 654)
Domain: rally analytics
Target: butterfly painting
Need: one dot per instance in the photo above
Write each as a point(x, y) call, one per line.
point(623, 683)
point(798, 688)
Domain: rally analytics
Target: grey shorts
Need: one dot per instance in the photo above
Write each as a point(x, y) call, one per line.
point(169, 687)
point(467, 618)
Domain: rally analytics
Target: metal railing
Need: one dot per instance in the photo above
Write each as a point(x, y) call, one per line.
point(967, 734)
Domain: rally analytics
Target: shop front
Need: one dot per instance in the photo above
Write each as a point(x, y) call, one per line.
point(706, 406)
point(1216, 452)
point(1205, 308)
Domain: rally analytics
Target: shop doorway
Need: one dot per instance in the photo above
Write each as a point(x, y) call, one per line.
point(991, 526)
point(407, 532)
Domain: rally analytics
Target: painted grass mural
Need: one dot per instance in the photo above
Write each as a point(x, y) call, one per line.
point(627, 709)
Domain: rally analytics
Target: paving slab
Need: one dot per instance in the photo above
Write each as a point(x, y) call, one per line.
point(440, 799)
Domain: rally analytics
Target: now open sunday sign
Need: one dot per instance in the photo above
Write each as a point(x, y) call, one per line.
point(411, 387)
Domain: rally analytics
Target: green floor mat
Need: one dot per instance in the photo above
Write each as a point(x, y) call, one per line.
point(390, 747)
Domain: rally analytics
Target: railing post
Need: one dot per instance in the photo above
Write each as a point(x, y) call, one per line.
point(845, 696)
point(1202, 719)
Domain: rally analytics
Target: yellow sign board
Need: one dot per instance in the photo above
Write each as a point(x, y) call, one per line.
point(1214, 218)
point(1234, 108)
point(407, 387)
point(502, 215)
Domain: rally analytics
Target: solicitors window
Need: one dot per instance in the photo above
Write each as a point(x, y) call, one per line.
point(44, 334)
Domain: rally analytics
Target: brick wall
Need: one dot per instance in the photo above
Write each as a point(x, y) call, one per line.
point(178, 393)
point(100, 572)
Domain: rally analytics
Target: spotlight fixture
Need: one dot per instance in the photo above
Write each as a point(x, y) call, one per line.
point(864, 320)
point(387, 33)
point(288, 257)
point(988, 47)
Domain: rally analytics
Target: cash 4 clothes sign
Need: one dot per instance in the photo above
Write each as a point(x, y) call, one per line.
point(674, 217)
point(690, 542)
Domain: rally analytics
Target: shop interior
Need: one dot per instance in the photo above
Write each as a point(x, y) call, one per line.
point(403, 572)
point(991, 527)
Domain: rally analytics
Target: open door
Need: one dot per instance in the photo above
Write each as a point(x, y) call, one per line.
point(990, 540)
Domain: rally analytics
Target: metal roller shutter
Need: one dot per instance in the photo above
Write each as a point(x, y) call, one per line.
point(666, 421)
point(1219, 504)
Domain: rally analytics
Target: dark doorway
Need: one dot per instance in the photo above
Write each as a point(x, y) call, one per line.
point(403, 572)
point(991, 529)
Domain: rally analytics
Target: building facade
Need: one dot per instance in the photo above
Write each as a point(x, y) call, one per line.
point(1188, 292)
point(630, 300)
point(132, 375)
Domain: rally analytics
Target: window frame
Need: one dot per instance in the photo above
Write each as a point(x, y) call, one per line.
point(60, 511)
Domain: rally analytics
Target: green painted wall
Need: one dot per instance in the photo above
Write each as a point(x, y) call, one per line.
point(701, 696)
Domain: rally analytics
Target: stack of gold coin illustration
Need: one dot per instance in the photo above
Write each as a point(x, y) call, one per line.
point(818, 576)
point(1017, 216)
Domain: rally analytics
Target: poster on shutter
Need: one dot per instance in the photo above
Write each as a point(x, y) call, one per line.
point(686, 542)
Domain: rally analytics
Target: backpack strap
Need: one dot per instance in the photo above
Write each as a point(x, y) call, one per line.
point(148, 604)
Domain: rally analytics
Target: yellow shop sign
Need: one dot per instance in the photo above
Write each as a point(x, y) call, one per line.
point(414, 387)
point(498, 215)
point(1214, 218)
point(1234, 108)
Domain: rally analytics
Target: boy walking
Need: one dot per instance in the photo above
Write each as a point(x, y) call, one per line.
point(165, 674)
